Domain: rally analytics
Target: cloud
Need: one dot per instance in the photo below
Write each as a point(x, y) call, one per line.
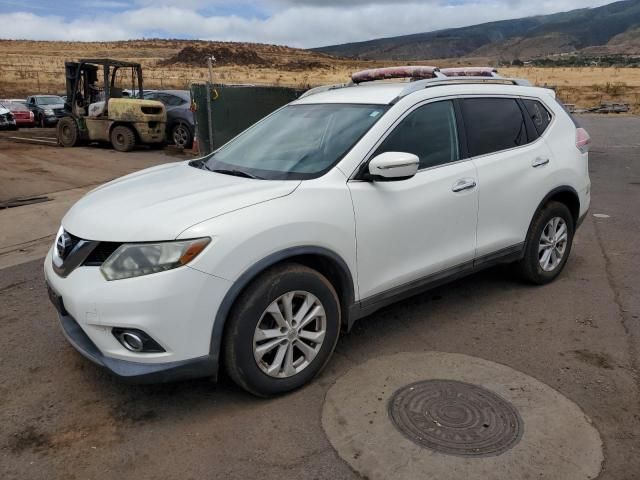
point(305, 23)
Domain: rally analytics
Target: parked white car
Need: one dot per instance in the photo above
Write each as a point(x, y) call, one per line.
point(344, 201)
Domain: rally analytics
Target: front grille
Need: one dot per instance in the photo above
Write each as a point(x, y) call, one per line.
point(73, 243)
point(72, 252)
point(100, 254)
point(59, 112)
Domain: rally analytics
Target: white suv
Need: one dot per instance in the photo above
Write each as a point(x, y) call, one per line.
point(348, 199)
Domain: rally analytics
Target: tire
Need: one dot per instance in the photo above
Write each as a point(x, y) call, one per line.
point(541, 264)
point(68, 132)
point(122, 138)
point(272, 290)
point(181, 135)
point(41, 123)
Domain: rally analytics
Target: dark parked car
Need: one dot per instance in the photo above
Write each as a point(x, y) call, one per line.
point(180, 120)
point(47, 109)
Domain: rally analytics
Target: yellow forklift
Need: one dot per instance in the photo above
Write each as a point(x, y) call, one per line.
point(100, 110)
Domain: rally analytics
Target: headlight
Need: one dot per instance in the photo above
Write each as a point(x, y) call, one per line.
point(48, 111)
point(136, 259)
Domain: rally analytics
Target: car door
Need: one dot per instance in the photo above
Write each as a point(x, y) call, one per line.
point(514, 169)
point(410, 231)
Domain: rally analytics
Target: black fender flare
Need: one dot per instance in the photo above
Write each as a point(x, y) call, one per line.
point(241, 283)
point(545, 200)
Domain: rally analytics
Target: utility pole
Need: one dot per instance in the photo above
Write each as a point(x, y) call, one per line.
point(210, 60)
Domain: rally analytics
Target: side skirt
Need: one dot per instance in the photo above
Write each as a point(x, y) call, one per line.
point(375, 302)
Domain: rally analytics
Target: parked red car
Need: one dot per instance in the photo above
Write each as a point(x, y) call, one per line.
point(23, 116)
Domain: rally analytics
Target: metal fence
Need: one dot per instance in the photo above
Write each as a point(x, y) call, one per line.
point(223, 111)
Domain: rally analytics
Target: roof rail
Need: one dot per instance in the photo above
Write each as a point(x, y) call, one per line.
point(323, 88)
point(443, 80)
point(424, 77)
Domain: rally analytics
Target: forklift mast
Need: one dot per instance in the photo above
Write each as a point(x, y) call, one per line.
point(81, 75)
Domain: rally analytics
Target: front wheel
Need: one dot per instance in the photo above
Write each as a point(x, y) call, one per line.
point(68, 132)
point(548, 244)
point(282, 330)
point(122, 138)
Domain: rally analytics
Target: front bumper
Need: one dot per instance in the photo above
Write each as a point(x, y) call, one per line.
point(50, 119)
point(8, 124)
point(136, 372)
point(29, 122)
point(176, 308)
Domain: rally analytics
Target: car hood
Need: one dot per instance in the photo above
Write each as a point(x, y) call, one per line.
point(161, 202)
point(53, 106)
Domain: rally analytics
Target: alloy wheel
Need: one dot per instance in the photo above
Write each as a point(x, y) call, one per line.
point(553, 244)
point(289, 334)
point(181, 136)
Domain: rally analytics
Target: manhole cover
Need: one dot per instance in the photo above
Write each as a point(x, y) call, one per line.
point(454, 417)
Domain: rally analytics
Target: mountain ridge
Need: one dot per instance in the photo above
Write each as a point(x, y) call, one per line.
point(523, 38)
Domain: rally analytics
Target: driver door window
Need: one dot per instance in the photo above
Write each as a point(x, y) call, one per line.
point(430, 132)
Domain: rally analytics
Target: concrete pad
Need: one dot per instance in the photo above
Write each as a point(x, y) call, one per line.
point(559, 440)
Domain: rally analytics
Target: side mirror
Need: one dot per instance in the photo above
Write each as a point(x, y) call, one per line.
point(393, 166)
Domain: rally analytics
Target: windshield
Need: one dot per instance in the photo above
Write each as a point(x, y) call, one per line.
point(49, 100)
point(296, 142)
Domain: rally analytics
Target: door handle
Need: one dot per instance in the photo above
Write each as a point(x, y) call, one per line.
point(463, 184)
point(539, 162)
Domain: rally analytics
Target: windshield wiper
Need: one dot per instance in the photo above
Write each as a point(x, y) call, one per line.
point(236, 173)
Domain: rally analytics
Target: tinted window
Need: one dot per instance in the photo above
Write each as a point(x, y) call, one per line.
point(493, 124)
point(540, 116)
point(171, 100)
point(429, 132)
point(166, 98)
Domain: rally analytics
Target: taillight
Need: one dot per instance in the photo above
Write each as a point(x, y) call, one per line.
point(583, 140)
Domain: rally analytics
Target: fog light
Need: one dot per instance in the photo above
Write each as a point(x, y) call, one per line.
point(136, 340)
point(131, 341)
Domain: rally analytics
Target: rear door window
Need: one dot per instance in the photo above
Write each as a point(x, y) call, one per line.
point(539, 115)
point(171, 100)
point(493, 124)
point(429, 132)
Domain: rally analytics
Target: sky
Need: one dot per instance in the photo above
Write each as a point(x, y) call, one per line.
point(301, 23)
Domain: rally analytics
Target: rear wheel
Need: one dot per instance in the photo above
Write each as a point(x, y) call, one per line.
point(122, 138)
point(68, 132)
point(548, 244)
point(181, 136)
point(282, 330)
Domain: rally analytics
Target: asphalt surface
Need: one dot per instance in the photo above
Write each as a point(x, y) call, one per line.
point(64, 418)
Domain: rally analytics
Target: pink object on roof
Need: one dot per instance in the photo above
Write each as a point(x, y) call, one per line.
point(469, 71)
point(409, 71)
